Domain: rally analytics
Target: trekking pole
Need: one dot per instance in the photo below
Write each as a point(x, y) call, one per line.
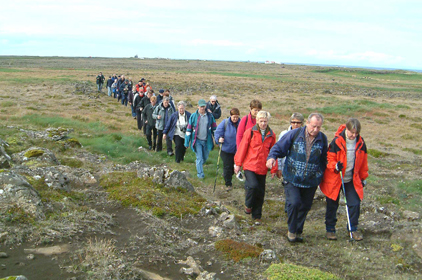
point(347, 208)
point(218, 164)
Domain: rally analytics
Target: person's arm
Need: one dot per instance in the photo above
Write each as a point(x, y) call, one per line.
point(155, 114)
point(189, 130)
point(363, 170)
point(219, 132)
point(169, 123)
point(217, 113)
point(242, 150)
point(241, 130)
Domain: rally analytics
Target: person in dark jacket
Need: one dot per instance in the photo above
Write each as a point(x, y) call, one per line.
point(100, 81)
point(119, 84)
point(176, 128)
point(124, 92)
point(137, 99)
point(151, 130)
point(305, 150)
point(144, 102)
point(109, 84)
point(225, 134)
point(160, 96)
point(214, 107)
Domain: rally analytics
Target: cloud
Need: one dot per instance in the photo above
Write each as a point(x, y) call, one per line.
point(217, 43)
point(368, 56)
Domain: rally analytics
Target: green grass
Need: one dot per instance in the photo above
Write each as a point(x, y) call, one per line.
point(378, 74)
point(4, 104)
point(286, 271)
point(11, 70)
point(45, 121)
point(142, 193)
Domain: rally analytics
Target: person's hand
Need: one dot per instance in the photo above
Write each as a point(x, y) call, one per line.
point(363, 183)
point(236, 169)
point(209, 110)
point(164, 137)
point(270, 163)
point(279, 174)
point(221, 140)
point(186, 147)
point(146, 121)
point(339, 166)
point(158, 117)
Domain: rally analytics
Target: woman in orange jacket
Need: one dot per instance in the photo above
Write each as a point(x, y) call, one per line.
point(347, 153)
point(252, 155)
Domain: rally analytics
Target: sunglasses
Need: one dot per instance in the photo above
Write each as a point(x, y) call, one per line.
point(295, 122)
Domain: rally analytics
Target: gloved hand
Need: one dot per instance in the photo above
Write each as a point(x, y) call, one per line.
point(363, 183)
point(339, 166)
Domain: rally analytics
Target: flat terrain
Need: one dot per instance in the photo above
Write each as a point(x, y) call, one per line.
point(37, 93)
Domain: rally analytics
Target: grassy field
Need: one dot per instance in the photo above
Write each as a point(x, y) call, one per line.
point(37, 93)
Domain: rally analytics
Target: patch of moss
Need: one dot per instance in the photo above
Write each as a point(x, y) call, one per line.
point(72, 162)
point(396, 247)
point(376, 153)
point(34, 153)
point(142, 193)
point(296, 272)
point(237, 250)
point(415, 151)
point(16, 215)
point(48, 194)
point(73, 142)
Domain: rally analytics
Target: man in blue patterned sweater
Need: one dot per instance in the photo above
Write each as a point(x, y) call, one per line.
point(305, 150)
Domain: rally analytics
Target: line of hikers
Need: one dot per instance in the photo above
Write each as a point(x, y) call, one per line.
point(301, 156)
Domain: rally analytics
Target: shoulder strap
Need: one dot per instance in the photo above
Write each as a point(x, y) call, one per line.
point(226, 123)
point(294, 138)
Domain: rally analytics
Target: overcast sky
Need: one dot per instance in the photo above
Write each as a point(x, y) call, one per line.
point(369, 33)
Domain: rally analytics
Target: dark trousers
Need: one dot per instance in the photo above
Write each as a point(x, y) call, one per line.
point(228, 167)
point(179, 148)
point(353, 204)
point(299, 202)
point(138, 118)
point(254, 192)
point(151, 131)
point(124, 99)
point(169, 143)
point(159, 140)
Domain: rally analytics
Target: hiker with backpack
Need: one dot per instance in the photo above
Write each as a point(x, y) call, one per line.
point(225, 135)
point(249, 120)
point(214, 107)
point(199, 134)
point(305, 150)
point(252, 155)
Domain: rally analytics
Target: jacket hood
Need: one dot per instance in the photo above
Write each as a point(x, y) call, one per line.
point(340, 130)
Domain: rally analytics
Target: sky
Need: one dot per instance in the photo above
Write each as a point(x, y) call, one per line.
point(368, 33)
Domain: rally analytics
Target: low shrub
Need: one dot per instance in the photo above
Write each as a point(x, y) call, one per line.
point(237, 250)
point(296, 272)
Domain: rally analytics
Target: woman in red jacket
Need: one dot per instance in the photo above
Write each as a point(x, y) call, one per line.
point(248, 121)
point(347, 153)
point(252, 155)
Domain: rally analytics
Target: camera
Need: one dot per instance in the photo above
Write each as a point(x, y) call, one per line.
point(183, 129)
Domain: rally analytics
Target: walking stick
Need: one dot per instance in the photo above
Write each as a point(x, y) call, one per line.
point(347, 208)
point(218, 164)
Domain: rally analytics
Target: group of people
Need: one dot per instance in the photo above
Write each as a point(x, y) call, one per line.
point(301, 155)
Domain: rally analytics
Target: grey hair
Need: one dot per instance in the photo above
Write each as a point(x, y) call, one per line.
point(353, 123)
point(166, 98)
point(263, 115)
point(213, 97)
point(181, 103)
point(316, 115)
point(297, 116)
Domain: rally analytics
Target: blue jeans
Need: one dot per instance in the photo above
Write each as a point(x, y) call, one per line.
point(299, 202)
point(202, 153)
point(109, 91)
point(124, 99)
point(133, 111)
point(353, 204)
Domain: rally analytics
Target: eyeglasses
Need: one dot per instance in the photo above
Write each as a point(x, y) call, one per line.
point(296, 122)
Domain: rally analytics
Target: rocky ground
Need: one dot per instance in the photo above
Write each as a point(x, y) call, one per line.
point(100, 238)
point(58, 220)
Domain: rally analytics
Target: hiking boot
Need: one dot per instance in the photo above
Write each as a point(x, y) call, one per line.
point(150, 148)
point(170, 153)
point(299, 237)
point(248, 210)
point(331, 235)
point(291, 237)
point(356, 235)
point(257, 222)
